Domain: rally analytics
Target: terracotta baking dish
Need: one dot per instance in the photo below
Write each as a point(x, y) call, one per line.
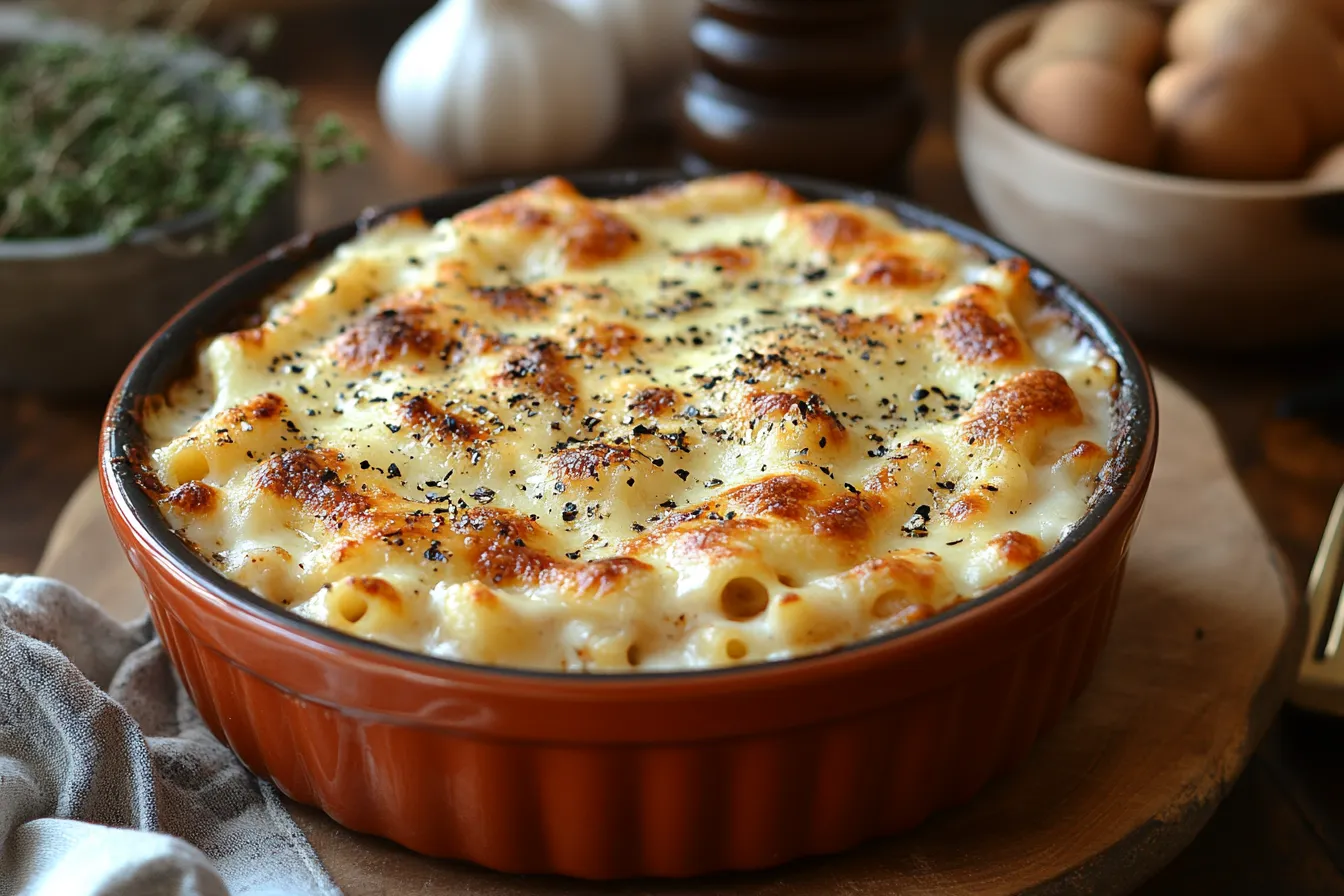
point(663, 774)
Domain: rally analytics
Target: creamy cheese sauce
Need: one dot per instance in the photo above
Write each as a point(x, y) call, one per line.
point(705, 426)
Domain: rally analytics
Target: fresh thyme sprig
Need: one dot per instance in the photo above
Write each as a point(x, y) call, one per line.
point(107, 138)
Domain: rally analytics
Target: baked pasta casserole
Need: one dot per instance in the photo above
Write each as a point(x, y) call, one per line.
point(705, 425)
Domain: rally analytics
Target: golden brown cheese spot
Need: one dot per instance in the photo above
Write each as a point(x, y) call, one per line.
point(602, 340)
point(496, 543)
point(312, 479)
point(386, 336)
point(586, 462)
point(897, 271)
point(976, 336)
point(599, 578)
point(522, 209)
point(1029, 399)
point(1085, 459)
point(375, 588)
point(693, 536)
point(193, 497)
point(472, 340)
point(725, 259)
point(784, 497)
point(421, 411)
point(652, 402)
point(225, 428)
point(368, 602)
point(914, 580)
point(808, 407)
point(266, 406)
point(968, 507)
point(518, 301)
point(844, 518)
point(409, 218)
point(540, 368)
point(1016, 548)
point(594, 237)
point(483, 597)
point(831, 228)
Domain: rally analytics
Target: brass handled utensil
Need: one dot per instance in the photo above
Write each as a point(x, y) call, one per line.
point(1320, 677)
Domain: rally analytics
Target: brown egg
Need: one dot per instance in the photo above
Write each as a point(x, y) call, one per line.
point(1012, 73)
point(1204, 29)
point(1284, 39)
point(1090, 107)
point(1124, 33)
point(1223, 120)
point(1329, 168)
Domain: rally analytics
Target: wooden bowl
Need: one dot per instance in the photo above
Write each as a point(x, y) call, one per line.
point(1178, 259)
point(645, 774)
point(75, 309)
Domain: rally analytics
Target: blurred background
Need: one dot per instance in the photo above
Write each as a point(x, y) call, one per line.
point(1181, 162)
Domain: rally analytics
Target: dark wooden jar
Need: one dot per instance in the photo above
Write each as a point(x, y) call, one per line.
point(820, 87)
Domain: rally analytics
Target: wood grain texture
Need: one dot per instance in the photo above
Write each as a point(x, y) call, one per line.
point(1188, 683)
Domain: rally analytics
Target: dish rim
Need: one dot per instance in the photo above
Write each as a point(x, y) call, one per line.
point(172, 349)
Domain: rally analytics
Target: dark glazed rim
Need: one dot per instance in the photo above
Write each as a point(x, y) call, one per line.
point(167, 356)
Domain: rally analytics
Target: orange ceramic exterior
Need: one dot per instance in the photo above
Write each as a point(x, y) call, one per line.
point(664, 775)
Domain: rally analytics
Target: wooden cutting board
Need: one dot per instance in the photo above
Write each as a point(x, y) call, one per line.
point(1205, 638)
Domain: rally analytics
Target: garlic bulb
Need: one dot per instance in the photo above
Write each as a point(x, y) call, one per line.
point(653, 37)
point(494, 86)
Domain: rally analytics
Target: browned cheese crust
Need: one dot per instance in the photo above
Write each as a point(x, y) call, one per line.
point(708, 424)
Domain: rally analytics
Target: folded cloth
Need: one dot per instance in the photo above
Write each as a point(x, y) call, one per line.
point(110, 783)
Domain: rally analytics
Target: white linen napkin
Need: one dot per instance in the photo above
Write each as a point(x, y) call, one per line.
point(110, 783)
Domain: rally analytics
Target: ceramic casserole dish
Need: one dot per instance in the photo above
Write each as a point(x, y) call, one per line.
point(655, 773)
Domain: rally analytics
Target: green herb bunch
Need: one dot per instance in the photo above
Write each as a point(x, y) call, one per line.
point(108, 138)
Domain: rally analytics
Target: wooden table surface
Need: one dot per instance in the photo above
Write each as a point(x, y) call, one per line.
point(1281, 828)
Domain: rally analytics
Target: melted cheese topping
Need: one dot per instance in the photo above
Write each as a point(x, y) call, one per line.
point(706, 425)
